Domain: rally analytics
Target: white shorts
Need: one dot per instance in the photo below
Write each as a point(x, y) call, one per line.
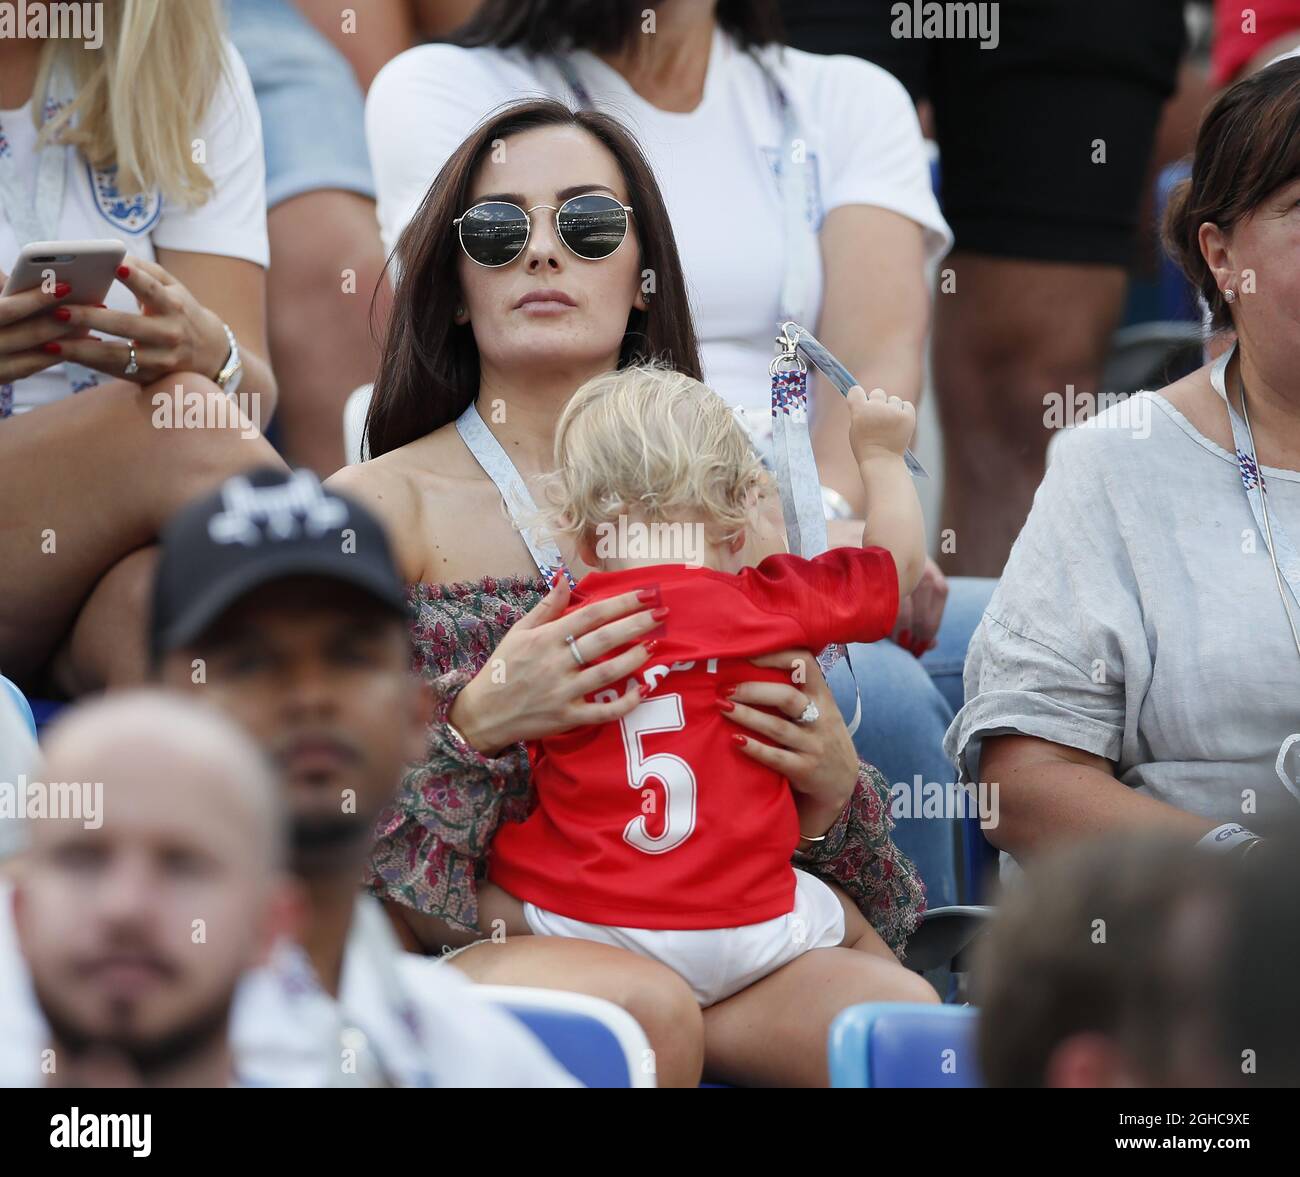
point(717, 962)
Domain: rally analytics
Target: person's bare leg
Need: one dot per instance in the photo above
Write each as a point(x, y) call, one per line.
point(774, 1033)
point(89, 480)
point(860, 935)
point(102, 651)
point(500, 913)
point(1009, 334)
point(318, 320)
point(654, 995)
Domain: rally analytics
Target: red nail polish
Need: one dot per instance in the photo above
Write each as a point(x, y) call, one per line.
point(726, 705)
point(62, 314)
point(905, 638)
point(647, 594)
point(660, 613)
point(729, 691)
point(644, 689)
point(53, 348)
point(62, 289)
point(123, 271)
point(651, 646)
point(738, 739)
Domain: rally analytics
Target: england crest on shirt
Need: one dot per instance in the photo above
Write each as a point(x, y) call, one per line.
point(127, 213)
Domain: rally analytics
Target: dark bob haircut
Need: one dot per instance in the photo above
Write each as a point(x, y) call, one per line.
point(1247, 148)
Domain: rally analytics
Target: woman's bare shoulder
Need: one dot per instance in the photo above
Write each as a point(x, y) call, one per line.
point(423, 492)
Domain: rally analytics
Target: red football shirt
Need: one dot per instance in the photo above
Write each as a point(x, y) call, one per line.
point(660, 820)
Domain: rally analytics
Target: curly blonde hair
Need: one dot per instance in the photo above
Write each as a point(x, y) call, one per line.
point(652, 442)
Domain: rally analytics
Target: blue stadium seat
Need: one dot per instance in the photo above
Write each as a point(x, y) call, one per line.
point(597, 1042)
point(10, 692)
point(979, 860)
point(898, 1044)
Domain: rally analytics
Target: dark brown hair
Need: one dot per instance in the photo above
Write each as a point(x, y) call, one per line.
point(602, 26)
point(1247, 148)
point(429, 369)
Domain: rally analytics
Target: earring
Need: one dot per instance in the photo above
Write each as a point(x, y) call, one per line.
point(1229, 295)
point(460, 313)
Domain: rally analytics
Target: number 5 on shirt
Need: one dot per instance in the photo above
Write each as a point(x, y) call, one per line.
point(662, 714)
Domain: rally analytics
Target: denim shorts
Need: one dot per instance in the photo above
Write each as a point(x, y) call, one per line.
point(312, 108)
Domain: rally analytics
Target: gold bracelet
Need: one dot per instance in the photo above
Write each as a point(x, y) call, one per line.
point(458, 739)
point(810, 838)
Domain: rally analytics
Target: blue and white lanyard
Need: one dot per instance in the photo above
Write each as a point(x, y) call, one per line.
point(1281, 550)
point(36, 217)
point(792, 452)
point(793, 461)
point(497, 465)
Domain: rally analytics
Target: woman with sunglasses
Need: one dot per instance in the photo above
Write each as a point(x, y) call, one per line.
point(717, 102)
point(542, 255)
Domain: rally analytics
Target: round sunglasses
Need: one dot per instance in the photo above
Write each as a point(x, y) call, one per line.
point(496, 232)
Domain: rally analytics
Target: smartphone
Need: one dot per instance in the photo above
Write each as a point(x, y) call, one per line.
point(89, 267)
point(817, 355)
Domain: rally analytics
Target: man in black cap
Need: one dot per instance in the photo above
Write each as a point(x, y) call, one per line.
point(279, 602)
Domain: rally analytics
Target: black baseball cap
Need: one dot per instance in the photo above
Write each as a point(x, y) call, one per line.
point(260, 527)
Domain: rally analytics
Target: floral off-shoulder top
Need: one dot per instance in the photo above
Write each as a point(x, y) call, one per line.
point(432, 843)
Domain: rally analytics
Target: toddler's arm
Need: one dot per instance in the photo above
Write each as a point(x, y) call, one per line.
point(880, 429)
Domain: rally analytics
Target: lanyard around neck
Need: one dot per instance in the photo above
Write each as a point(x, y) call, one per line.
point(801, 251)
point(36, 217)
point(1281, 550)
point(496, 464)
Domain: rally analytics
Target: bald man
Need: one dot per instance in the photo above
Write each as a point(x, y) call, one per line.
point(137, 927)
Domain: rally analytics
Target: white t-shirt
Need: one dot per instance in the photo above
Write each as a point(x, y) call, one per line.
point(421, 1017)
point(716, 166)
point(232, 222)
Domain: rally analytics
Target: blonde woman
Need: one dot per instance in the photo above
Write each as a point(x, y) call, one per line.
point(152, 138)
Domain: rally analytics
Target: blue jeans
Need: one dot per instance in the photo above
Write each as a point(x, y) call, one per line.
point(907, 705)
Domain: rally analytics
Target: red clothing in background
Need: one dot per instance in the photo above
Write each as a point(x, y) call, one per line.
point(1233, 47)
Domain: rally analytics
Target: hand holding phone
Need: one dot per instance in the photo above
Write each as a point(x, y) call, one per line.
point(87, 268)
point(47, 275)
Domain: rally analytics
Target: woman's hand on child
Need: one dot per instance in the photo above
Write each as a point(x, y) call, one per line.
point(920, 614)
point(533, 685)
point(818, 758)
point(879, 425)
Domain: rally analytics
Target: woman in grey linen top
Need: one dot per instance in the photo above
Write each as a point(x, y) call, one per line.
point(1135, 665)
